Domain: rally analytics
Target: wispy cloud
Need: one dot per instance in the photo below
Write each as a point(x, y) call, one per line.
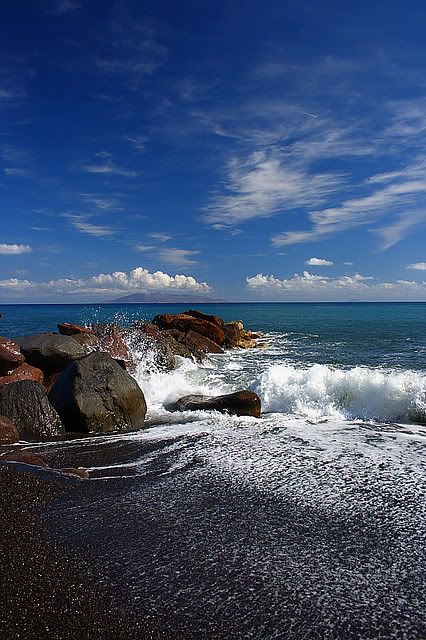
point(138, 142)
point(319, 262)
point(81, 224)
point(160, 237)
point(16, 171)
point(398, 229)
point(178, 257)
point(265, 185)
point(145, 248)
point(14, 249)
point(110, 168)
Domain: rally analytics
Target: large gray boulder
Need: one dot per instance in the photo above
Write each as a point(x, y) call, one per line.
point(94, 394)
point(51, 352)
point(241, 403)
point(26, 404)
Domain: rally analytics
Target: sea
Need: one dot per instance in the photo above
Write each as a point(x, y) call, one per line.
point(307, 523)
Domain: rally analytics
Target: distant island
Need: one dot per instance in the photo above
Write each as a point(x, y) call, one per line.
point(165, 298)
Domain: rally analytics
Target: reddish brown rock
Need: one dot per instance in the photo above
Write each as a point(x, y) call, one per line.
point(187, 323)
point(236, 336)
point(70, 329)
point(204, 316)
point(24, 372)
point(8, 431)
point(10, 355)
point(112, 341)
point(26, 457)
point(88, 340)
point(201, 344)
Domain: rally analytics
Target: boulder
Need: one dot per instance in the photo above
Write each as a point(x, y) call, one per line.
point(241, 403)
point(8, 431)
point(94, 394)
point(25, 402)
point(155, 348)
point(89, 340)
point(81, 473)
point(198, 343)
point(70, 329)
point(25, 457)
point(24, 372)
point(51, 352)
point(180, 346)
point(186, 323)
point(204, 316)
point(236, 336)
point(10, 355)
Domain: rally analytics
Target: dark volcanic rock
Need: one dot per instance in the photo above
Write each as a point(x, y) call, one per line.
point(88, 340)
point(26, 457)
point(10, 355)
point(25, 402)
point(186, 323)
point(95, 394)
point(70, 329)
point(8, 431)
point(24, 372)
point(241, 403)
point(51, 352)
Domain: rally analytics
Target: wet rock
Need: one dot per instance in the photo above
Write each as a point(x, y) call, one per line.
point(89, 340)
point(10, 355)
point(81, 473)
point(25, 457)
point(204, 316)
point(241, 403)
point(26, 404)
point(236, 336)
point(8, 431)
point(94, 394)
point(112, 341)
point(24, 372)
point(180, 346)
point(153, 348)
point(197, 342)
point(70, 329)
point(51, 352)
point(186, 323)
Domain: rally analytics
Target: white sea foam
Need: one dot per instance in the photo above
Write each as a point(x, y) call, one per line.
point(358, 393)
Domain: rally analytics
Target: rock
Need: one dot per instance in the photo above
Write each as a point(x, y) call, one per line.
point(81, 473)
point(51, 352)
point(154, 348)
point(178, 344)
point(89, 340)
point(241, 403)
point(203, 316)
point(197, 342)
point(8, 431)
point(187, 323)
point(69, 329)
point(25, 402)
point(10, 355)
point(94, 394)
point(236, 336)
point(26, 457)
point(24, 372)
point(112, 341)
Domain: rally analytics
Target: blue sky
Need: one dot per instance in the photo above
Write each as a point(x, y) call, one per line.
point(252, 150)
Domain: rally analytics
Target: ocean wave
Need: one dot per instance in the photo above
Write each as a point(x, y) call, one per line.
point(357, 393)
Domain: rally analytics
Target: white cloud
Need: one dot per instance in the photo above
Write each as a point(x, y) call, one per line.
point(106, 285)
point(138, 142)
point(16, 171)
point(14, 249)
point(319, 262)
point(264, 185)
point(353, 287)
point(417, 266)
point(179, 257)
point(404, 224)
point(348, 263)
point(145, 247)
point(161, 237)
point(96, 230)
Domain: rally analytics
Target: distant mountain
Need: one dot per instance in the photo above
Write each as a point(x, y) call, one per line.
point(164, 298)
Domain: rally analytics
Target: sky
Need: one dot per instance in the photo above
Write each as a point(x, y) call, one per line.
point(246, 150)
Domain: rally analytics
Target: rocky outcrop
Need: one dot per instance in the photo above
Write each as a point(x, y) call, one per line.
point(241, 403)
point(237, 336)
point(24, 457)
point(23, 372)
point(204, 316)
point(50, 352)
point(94, 394)
point(201, 344)
point(8, 431)
point(26, 404)
point(10, 355)
point(89, 340)
point(185, 323)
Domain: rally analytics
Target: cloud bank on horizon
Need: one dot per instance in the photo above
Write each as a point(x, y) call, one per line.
point(257, 159)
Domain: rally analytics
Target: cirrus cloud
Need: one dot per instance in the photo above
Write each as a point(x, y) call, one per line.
point(14, 249)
